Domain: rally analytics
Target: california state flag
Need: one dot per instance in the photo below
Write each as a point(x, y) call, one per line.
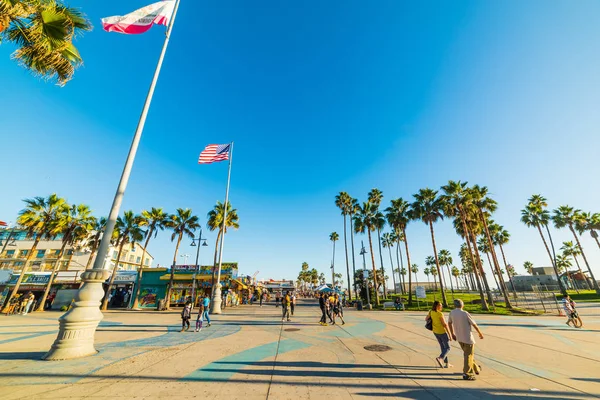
point(141, 20)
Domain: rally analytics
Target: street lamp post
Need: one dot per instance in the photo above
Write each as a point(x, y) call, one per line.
point(201, 243)
point(365, 276)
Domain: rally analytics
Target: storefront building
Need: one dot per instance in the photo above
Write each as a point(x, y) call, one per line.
point(64, 287)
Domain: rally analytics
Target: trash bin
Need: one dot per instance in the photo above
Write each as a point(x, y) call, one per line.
point(161, 305)
point(359, 305)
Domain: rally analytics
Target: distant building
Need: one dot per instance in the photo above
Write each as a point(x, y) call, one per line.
point(542, 271)
point(277, 286)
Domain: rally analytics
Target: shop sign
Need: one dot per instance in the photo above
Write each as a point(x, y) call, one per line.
point(182, 285)
point(185, 268)
point(32, 279)
point(124, 277)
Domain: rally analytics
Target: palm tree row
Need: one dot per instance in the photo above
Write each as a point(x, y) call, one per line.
point(47, 218)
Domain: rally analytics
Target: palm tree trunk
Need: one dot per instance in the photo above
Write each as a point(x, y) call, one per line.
point(374, 268)
point(450, 279)
point(138, 284)
point(392, 264)
point(333, 267)
point(481, 270)
point(484, 305)
point(112, 276)
point(495, 259)
point(214, 275)
point(560, 284)
point(493, 272)
point(42, 302)
point(22, 274)
point(594, 282)
point(457, 285)
point(171, 280)
point(382, 269)
point(437, 264)
point(428, 282)
point(91, 258)
point(408, 261)
point(353, 261)
point(400, 263)
point(347, 263)
point(507, 273)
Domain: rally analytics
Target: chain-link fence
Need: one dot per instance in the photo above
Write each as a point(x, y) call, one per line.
point(541, 298)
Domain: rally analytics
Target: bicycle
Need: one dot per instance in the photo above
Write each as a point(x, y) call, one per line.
point(576, 319)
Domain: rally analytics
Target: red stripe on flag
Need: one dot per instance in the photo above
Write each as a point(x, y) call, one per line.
point(2, 223)
point(209, 155)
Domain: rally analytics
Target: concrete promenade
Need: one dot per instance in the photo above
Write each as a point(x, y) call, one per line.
point(248, 353)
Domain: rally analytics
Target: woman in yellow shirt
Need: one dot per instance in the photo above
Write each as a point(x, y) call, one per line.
point(441, 332)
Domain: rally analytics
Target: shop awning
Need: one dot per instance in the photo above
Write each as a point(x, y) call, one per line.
point(240, 284)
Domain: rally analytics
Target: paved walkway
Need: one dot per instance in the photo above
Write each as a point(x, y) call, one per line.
point(248, 353)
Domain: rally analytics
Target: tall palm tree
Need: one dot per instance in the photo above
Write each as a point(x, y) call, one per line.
point(93, 239)
point(427, 271)
point(352, 205)
point(563, 263)
point(38, 218)
point(364, 222)
point(43, 32)
point(414, 269)
point(388, 242)
point(399, 214)
point(528, 266)
point(434, 273)
point(486, 206)
point(590, 222)
point(334, 237)
point(182, 223)
point(445, 258)
point(73, 224)
point(458, 203)
point(154, 220)
point(215, 222)
point(500, 237)
point(127, 230)
point(402, 273)
point(343, 202)
point(535, 215)
point(428, 208)
point(566, 216)
point(456, 274)
point(399, 237)
point(571, 250)
point(374, 197)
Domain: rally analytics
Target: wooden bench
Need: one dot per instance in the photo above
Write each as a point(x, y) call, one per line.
point(391, 304)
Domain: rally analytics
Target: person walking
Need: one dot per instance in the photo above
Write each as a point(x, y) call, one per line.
point(329, 304)
point(206, 304)
point(293, 302)
point(337, 309)
point(276, 299)
point(323, 307)
point(441, 333)
point(199, 318)
point(569, 309)
point(185, 316)
point(261, 299)
point(286, 305)
point(460, 323)
point(28, 302)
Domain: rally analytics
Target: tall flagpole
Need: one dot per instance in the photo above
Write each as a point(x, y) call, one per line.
point(215, 307)
point(77, 327)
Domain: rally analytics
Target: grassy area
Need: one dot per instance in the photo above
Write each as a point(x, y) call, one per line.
point(589, 296)
point(471, 300)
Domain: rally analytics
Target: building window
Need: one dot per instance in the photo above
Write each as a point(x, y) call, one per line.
point(18, 263)
point(137, 260)
point(133, 248)
point(146, 261)
point(70, 252)
point(131, 258)
point(116, 253)
point(10, 253)
point(23, 253)
point(55, 252)
point(40, 254)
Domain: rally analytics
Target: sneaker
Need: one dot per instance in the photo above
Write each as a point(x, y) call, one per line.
point(196, 330)
point(468, 377)
point(343, 323)
point(439, 361)
point(181, 330)
point(289, 320)
point(209, 324)
point(448, 366)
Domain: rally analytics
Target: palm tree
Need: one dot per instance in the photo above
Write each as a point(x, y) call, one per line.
point(535, 215)
point(182, 223)
point(399, 237)
point(322, 278)
point(38, 218)
point(352, 205)
point(455, 274)
point(154, 220)
point(334, 237)
point(374, 197)
point(73, 224)
point(528, 266)
point(428, 208)
point(434, 273)
point(427, 271)
point(127, 230)
point(43, 32)
point(402, 273)
point(414, 269)
point(569, 249)
point(364, 222)
point(590, 222)
point(566, 216)
point(445, 258)
point(458, 203)
point(399, 214)
point(500, 237)
point(343, 202)
point(388, 242)
point(94, 237)
point(215, 222)
point(563, 263)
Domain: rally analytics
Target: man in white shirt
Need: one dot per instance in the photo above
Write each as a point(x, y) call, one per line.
point(460, 323)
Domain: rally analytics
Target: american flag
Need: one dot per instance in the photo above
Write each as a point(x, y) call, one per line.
point(214, 152)
point(2, 223)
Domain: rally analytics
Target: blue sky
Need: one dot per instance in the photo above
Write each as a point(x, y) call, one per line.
point(319, 97)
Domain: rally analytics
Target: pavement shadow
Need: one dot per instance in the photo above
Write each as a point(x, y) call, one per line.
point(456, 393)
point(314, 364)
point(32, 355)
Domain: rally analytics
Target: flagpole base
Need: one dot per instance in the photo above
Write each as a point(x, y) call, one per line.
point(215, 304)
point(77, 327)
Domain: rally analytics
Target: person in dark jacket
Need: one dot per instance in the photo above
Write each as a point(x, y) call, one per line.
point(322, 306)
point(186, 314)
